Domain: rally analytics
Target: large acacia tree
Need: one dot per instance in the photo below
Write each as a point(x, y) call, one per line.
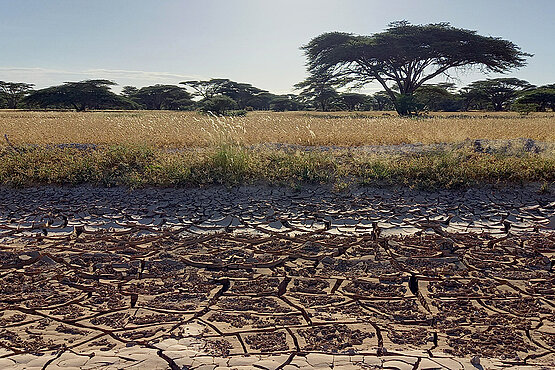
point(407, 56)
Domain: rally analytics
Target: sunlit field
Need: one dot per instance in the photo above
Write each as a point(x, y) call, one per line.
point(135, 148)
point(191, 129)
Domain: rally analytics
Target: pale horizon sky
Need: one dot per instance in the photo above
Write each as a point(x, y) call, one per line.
point(144, 42)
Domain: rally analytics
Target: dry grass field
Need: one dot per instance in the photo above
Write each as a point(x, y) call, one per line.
point(188, 129)
point(136, 149)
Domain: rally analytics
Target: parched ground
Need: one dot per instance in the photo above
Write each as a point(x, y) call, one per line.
point(261, 277)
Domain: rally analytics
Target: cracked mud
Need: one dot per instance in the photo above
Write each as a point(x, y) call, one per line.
point(275, 278)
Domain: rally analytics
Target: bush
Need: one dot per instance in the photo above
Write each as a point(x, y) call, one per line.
point(524, 108)
point(408, 105)
point(219, 104)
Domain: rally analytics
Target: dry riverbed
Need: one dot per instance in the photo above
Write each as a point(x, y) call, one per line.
point(271, 278)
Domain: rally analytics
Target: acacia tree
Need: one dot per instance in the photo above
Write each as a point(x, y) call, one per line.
point(14, 92)
point(206, 89)
point(498, 92)
point(318, 89)
point(158, 97)
point(244, 94)
point(262, 101)
point(407, 56)
point(128, 91)
point(219, 104)
point(82, 95)
point(438, 97)
point(382, 101)
point(355, 101)
point(282, 103)
point(543, 97)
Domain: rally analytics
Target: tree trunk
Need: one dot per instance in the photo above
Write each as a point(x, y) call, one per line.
point(12, 102)
point(408, 105)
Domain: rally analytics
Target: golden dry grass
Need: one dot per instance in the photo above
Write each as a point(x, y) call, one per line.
point(181, 129)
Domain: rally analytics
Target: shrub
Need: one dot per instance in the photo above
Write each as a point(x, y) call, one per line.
point(219, 104)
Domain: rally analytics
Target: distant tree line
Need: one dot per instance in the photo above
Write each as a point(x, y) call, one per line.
point(216, 95)
point(223, 96)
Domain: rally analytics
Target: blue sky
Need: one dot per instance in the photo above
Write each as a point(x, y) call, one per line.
point(143, 42)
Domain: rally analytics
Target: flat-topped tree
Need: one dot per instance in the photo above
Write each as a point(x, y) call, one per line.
point(438, 97)
point(319, 89)
point(543, 97)
point(207, 89)
point(242, 93)
point(159, 97)
point(408, 56)
point(82, 95)
point(14, 92)
point(354, 101)
point(381, 101)
point(497, 92)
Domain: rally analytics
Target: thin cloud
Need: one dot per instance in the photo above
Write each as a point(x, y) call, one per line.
point(138, 74)
point(43, 77)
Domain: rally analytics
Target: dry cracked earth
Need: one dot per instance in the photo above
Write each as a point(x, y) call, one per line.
point(272, 278)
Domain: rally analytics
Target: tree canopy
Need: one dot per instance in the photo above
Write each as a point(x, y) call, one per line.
point(438, 97)
point(282, 103)
point(218, 104)
point(158, 97)
point(206, 89)
point(497, 92)
point(244, 94)
point(382, 101)
point(355, 101)
point(407, 56)
point(542, 98)
point(14, 92)
point(82, 95)
point(319, 90)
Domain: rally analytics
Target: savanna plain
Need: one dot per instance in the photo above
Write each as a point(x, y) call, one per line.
point(189, 148)
point(344, 240)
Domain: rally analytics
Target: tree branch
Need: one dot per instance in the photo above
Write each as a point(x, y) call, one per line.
point(436, 73)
